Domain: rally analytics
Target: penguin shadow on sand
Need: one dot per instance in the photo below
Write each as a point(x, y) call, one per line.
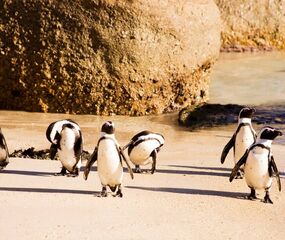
point(190, 191)
point(27, 173)
point(47, 190)
point(195, 170)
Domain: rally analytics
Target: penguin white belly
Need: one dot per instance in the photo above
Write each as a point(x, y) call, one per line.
point(110, 169)
point(67, 158)
point(66, 153)
point(244, 139)
point(256, 170)
point(140, 154)
point(3, 154)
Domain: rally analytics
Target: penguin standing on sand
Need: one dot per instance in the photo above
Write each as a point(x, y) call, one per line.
point(143, 148)
point(53, 129)
point(259, 164)
point(242, 139)
point(109, 155)
point(68, 143)
point(4, 154)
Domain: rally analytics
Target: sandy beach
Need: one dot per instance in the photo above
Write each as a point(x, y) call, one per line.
point(189, 197)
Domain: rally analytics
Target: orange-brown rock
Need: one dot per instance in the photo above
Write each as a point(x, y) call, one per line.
point(252, 25)
point(106, 56)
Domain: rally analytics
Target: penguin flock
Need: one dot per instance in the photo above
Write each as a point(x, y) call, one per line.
point(66, 139)
point(253, 158)
point(252, 154)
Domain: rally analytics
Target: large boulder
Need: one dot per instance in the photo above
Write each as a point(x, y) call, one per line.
point(106, 56)
point(252, 24)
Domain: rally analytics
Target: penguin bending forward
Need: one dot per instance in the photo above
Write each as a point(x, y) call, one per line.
point(4, 153)
point(260, 166)
point(242, 139)
point(109, 155)
point(53, 129)
point(142, 147)
point(68, 142)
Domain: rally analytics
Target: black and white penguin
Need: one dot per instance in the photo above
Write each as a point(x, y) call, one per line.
point(143, 149)
point(109, 155)
point(260, 166)
point(4, 153)
point(242, 139)
point(56, 127)
point(69, 145)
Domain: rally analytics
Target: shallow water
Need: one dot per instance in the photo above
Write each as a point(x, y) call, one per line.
point(249, 79)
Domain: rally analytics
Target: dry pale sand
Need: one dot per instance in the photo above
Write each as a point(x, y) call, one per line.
point(189, 197)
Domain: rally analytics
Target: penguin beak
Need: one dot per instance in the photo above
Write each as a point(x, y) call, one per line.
point(253, 110)
point(279, 133)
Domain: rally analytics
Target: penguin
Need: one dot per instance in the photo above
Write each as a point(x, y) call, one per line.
point(259, 164)
point(242, 139)
point(4, 153)
point(69, 146)
point(143, 148)
point(56, 127)
point(109, 155)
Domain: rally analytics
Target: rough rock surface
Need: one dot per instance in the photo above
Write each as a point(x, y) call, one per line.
point(209, 115)
point(252, 25)
point(106, 57)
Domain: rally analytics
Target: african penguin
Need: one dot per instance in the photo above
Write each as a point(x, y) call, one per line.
point(143, 148)
point(109, 155)
point(242, 139)
point(260, 166)
point(69, 146)
point(56, 127)
point(4, 153)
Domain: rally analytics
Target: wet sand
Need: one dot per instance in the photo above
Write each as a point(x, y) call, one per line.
point(189, 197)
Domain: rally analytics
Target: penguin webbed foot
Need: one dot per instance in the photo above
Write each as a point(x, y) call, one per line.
point(72, 174)
point(119, 192)
point(137, 169)
point(267, 198)
point(75, 173)
point(61, 173)
point(252, 195)
point(103, 193)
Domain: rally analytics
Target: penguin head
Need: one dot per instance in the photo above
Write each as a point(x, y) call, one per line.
point(108, 127)
point(269, 133)
point(246, 112)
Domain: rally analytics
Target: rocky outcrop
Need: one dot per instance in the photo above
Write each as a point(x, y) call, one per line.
point(106, 56)
point(210, 115)
point(252, 25)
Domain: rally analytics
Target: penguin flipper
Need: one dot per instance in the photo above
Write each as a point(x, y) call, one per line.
point(227, 148)
point(273, 166)
point(238, 165)
point(78, 147)
point(127, 145)
point(127, 163)
point(90, 162)
point(52, 151)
